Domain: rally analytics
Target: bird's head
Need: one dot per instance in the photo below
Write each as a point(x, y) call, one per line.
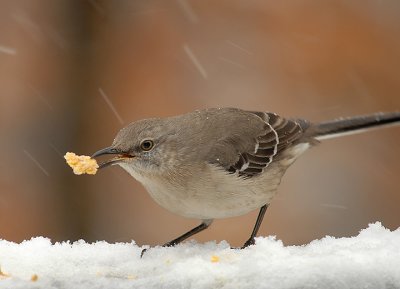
point(145, 146)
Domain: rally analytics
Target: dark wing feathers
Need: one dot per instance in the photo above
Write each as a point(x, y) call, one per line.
point(279, 134)
point(265, 152)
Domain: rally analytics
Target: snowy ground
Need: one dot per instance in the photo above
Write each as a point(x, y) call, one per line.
point(369, 260)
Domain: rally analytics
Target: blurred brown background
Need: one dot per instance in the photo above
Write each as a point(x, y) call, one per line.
point(62, 62)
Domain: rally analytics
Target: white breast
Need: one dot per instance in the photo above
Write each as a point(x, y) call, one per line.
point(214, 194)
point(205, 191)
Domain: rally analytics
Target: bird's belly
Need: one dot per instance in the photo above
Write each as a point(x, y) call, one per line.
point(216, 195)
point(210, 204)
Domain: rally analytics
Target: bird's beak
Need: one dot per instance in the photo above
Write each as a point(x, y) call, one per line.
point(121, 156)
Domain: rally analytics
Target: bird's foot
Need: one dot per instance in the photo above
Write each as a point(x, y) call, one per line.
point(249, 242)
point(169, 244)
point(143, 251)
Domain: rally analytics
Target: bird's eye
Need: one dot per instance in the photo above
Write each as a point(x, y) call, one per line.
point(146, 145)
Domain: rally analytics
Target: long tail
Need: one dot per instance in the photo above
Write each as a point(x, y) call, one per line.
point(352, 125)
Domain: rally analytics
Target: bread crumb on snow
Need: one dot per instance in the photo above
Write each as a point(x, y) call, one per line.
point(369, 260)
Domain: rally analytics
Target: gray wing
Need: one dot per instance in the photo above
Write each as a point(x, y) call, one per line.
point(279, 134)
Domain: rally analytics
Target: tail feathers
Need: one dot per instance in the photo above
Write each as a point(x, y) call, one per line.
point(352, 125)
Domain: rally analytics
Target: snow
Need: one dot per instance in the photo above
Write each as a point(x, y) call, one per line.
point(7, 50)
point(369, 260)
point(195, 61)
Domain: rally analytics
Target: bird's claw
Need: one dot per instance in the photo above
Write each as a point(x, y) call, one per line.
point(143, 251)
point(249, 242)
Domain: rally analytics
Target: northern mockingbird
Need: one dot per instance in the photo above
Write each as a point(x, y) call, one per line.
point(221, 162)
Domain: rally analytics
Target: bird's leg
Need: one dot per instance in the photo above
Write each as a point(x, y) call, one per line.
point(257, 225)
point(204, 225)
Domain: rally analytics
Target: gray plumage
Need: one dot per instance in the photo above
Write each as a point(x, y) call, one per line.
point(222, 162)
point(236, 140)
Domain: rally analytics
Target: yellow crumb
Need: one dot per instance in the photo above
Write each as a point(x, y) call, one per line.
point(131, 277)
point(116, 275)
point(4, 275)
point(214, 259)
point(34, 278)
point(81, 164)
